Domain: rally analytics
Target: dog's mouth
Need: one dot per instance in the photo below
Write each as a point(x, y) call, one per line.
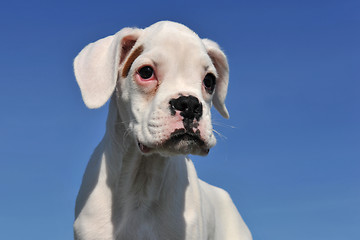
point(143, 148)
point(186, 136)
point(181, 141)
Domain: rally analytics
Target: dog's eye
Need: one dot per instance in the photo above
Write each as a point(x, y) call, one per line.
point(146, 72)
point(209, 83)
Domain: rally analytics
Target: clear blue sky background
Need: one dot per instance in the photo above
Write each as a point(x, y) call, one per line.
point(290, 155)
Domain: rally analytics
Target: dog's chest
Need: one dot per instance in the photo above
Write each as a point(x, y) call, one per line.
point(148, 206)
point(150, 223)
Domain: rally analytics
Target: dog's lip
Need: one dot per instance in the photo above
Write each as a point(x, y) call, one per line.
point(144, 148)
point(179, 136)
point(190, 138)
point(186, 136)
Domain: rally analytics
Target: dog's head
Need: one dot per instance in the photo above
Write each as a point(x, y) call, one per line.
point(166, 79)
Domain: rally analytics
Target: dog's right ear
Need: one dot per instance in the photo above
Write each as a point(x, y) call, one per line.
point(96, 66)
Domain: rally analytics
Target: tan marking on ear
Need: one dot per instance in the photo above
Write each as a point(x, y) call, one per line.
point(130, 60)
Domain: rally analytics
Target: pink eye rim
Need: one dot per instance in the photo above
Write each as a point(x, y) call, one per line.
point(146, 73)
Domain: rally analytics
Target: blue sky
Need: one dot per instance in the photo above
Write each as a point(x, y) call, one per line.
point(289, 155)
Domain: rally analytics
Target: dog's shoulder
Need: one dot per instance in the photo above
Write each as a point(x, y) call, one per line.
point(228, 222)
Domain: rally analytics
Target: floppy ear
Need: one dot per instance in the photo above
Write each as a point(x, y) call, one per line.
point(96, 66)
point(220, 62)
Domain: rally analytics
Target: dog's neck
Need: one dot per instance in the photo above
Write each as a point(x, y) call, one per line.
point(145, 177)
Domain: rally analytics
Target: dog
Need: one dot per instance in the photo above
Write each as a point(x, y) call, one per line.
point(139, 182)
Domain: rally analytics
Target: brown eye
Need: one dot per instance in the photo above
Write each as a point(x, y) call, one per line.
point(146, 72)
point(209, 83)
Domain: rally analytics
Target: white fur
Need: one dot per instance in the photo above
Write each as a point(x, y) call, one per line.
point(136, 186)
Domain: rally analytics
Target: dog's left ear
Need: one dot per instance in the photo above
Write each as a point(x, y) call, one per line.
point(221, 64)
point(96, 67)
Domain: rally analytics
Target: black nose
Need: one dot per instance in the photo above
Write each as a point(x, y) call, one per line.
point(189, 107)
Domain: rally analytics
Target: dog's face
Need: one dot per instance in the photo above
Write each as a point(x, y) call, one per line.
point(166, 79)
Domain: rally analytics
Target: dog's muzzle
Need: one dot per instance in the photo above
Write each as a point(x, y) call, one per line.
point(186, 139)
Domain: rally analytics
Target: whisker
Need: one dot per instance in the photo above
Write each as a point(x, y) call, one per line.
point(220, 135)
point(122, 122)
point(125, 135)
point(223, 124)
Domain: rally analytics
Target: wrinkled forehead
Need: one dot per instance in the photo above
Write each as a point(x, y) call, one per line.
point(172, 38)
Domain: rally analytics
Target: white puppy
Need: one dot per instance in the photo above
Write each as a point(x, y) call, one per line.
point(139, 184)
